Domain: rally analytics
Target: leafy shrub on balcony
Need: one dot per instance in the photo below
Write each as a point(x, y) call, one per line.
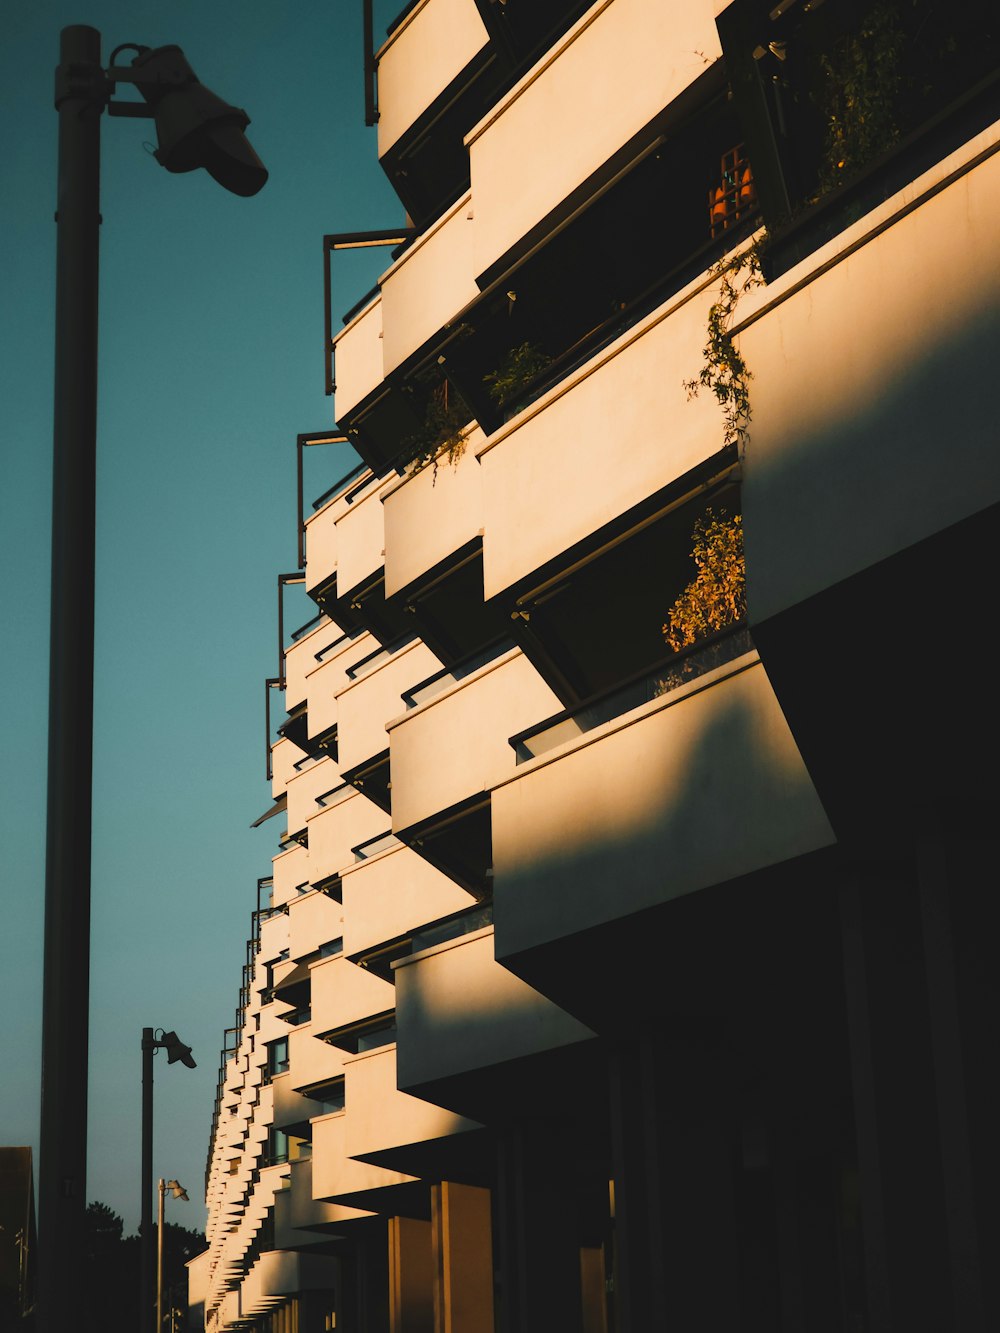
point(716, 596)
point(515, 373)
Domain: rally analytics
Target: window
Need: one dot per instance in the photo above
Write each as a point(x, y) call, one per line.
point(277, 1056)
point(277, 1147)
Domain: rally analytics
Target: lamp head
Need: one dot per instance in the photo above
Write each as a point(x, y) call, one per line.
point(178, 1190)
point(194, 127)
point(176, 1050)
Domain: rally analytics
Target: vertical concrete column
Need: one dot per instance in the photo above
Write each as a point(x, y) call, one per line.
point(411, 1276)
point(463, 1258)
point(675, 1207)
point(953, 1033)
point(536, 1248)
point(896, 1122)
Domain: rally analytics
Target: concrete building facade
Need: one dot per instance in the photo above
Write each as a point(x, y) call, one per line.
point(599, 986)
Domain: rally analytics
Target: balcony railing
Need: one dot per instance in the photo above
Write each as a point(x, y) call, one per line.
point(669, 674)
point(433, 685)
point(453, 927)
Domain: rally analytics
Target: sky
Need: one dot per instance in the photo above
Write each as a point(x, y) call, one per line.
point(211, 334)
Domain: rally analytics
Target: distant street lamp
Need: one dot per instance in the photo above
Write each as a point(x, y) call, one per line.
point(153, 1041)
point(179, 1192)
point(194, 129)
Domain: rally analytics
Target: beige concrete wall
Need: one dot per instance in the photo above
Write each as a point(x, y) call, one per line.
point(313, 919)
point(321, 545)
point(334, 1172)
point(344, 994)
point(380, 1116)
point(457, 1009)
point(357, 358)
point(284, 756)
point(429, 515)
point(300, 659)
point(312, 781)
point(455, 744)
point(624, 418)
point(429, 49)
point(428, 284)
point(359, 539)
point(620, 64)
point(392, 894)
point(333, 832)
point(364, 705)
point(690, 790)
point(289, 869)
point(874, 421)
point(326, 678)
point(310, 1060)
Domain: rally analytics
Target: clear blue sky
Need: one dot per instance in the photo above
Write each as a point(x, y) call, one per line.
point(210, 364)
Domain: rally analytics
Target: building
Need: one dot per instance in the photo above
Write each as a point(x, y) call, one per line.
point(597, 988)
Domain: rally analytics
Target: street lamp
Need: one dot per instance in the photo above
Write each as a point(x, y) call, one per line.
point(179, 1192)
point(153, 1041)
point(194, 129)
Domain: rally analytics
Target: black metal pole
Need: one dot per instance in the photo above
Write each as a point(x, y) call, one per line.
point(80, 99)
point(146, 1210)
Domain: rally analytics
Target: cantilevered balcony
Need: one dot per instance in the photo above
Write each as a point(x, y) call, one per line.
point(289, 870)
point(468, 1031)
point(872, 494)
point(632, 394)
point(699, 787)
point(310, 779)
point(348, 818)
point(336, 1175)
point(449, 750)
point(615, 71)
point(327, 673)
point(381, 1119)
point(313, 920)
point(428, 285)
point(373, 694)
point(426, 53)
point(358, 358)
point(389, 896)
point(313, 1065)
point(345, 999)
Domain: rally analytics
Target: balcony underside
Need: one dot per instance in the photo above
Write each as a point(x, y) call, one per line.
point(883, 679)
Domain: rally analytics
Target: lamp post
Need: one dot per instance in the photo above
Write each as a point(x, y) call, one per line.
point(179, 1192)
point(194, 129)
point(152, 1041)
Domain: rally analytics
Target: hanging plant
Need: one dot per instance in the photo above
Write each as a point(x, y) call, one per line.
point(446, 427)
point(725, 373)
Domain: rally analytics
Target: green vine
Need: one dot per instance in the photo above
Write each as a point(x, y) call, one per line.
point(445, 429)
point(518, 368)
point(725, 373)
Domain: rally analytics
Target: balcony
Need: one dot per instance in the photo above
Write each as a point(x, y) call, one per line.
point(312, 1063)
point(284, 757)
point(387, 897)
point(300, 659)
point(381, 1118)
point(289, 870)
point(373, 695)
point(632, 392)
point(468, 1030)
point(334, 831)
point(310, 779)
point(866, 438)
point(336, 1175)
point(327, 673)
point(424, 55)
point(345, 997)
point(358, 353)
point(299, 1216)
point(428, 285)
point(701, 786)
point(454, 746)
point(313, 920)
point(616, 70)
